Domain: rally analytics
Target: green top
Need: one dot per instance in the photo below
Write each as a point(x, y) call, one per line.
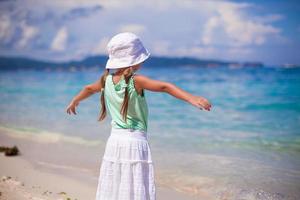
point(137, 114)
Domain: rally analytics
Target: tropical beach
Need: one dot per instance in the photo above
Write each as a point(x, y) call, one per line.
point(237, 151)
point(241, 56)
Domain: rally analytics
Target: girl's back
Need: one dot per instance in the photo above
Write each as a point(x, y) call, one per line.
point(137, 114)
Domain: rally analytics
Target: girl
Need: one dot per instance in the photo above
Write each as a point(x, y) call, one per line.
point(127, 171)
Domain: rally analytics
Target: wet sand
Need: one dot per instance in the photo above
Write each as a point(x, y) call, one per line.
point(38, 174)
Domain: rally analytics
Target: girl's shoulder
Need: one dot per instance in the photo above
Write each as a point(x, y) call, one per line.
point(147, 83)
point(136, 82)
point(139, 79)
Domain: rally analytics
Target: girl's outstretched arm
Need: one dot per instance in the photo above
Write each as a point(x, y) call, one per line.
point(86, 92)
point(161, 86)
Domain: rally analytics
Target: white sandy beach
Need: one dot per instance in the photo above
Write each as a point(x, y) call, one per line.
point(21, 178)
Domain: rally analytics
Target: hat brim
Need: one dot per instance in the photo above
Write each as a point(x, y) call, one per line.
point(121, 63)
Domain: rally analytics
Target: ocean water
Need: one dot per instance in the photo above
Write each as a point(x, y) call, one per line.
point(246, 147)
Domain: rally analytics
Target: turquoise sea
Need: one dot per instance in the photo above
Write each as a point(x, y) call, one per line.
point(247, 146)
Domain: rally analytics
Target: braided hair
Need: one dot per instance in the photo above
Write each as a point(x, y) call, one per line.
point(127, 73)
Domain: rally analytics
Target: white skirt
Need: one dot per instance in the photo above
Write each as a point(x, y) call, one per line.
point(127, 171)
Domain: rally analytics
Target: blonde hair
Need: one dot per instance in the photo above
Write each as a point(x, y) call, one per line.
point(127, 72)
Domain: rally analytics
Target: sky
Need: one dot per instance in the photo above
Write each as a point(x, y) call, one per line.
point(255, 31)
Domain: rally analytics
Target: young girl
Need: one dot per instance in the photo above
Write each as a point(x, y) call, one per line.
point(127, 171)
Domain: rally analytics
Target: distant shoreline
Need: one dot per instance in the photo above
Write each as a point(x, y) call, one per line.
point(11, 63)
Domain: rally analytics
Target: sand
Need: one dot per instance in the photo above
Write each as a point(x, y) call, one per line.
point(23, 179)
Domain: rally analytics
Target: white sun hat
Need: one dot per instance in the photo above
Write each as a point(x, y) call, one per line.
point(125, 49)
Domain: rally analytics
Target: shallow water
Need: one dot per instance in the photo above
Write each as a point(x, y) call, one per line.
point(248, 142)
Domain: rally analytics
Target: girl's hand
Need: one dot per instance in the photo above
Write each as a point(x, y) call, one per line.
point(200, 102)
point(71, 107)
